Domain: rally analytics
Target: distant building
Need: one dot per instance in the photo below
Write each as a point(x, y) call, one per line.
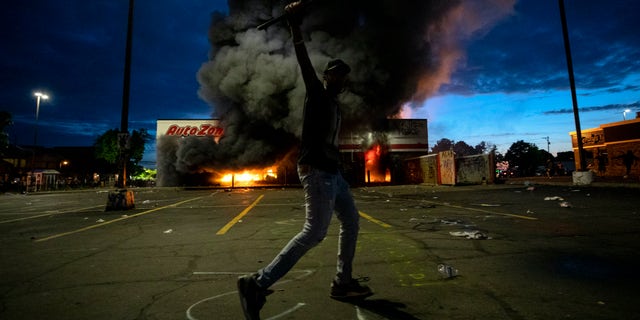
point(379, 156)
point(612, 149)
point(367, 157)
point(28, 168)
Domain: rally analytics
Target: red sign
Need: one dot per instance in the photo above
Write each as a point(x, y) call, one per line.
point(202, 131)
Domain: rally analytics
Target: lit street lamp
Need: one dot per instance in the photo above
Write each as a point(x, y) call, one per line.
point(39, 96)
point(624, 114)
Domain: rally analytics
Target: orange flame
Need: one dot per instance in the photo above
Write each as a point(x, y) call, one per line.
point(374, 171)
point(248, 177)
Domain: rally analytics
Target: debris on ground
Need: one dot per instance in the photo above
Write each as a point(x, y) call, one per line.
point(565, 204)
point(470, 234)
point(487, 205)
point(446, 271)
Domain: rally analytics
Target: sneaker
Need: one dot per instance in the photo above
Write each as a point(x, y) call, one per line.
point(351, 290)
point(252, 297)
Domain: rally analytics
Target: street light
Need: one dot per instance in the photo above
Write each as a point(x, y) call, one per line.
point(624, 114)
point(39, 96)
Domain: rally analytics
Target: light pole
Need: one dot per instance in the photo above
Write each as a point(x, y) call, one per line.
point(624, 114)
point(122, 199)
point(39, 96)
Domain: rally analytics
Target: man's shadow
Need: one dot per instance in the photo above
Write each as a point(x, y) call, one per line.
point(384, 308)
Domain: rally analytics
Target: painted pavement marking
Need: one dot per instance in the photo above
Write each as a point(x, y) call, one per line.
point(483, 210)
point(114, 220)
point(48, 214)
point(237, 218)
point(374, 220)
point(305, 273)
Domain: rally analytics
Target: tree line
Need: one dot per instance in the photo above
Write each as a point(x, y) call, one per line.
point(107, 145)
point(524, 158)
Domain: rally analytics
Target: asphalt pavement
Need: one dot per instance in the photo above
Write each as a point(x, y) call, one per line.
point(525, 249)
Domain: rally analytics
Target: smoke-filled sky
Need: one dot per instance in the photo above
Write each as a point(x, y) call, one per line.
point(478, 70)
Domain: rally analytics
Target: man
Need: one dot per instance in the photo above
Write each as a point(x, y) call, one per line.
point(324, 188)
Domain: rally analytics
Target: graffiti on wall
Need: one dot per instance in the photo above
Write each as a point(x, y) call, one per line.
point(447, 167)
point(474, 169)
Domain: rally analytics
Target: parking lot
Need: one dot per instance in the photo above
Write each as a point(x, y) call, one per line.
point(521, 252)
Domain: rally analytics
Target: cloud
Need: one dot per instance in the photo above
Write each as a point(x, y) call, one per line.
point(526, 51)
point(632, 106)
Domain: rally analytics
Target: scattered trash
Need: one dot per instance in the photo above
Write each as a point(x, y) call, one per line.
point(470, 234)
point(403, 209)
point(530, 211)
point(168, 231)
point(451, 222)
point(565, 204)
point(124, 216)
point(553, 198)
point(446, 271)
point(100, 221)
point(146, 201)
point(488, 205)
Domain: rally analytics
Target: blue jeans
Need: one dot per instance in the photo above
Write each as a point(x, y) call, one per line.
point(324, 193)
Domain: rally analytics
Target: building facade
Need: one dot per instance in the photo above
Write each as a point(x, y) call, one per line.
point(367, 157)
point(612, 149)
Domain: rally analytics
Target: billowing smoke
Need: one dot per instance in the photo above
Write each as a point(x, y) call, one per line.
point(400, 52)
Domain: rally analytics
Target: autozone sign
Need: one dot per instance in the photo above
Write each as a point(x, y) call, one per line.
point(186, 128)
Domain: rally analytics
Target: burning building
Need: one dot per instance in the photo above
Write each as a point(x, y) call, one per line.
point(400, 52)
point(198, 153)
point(378, 156)
point(367, 157)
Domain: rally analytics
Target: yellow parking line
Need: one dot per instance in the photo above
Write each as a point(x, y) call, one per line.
point(48, 214)
point(237, 218)
point(114, 220)
point(374, 220)
point(486, 211)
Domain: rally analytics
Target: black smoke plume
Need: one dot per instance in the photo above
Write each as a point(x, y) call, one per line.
point(400, 52)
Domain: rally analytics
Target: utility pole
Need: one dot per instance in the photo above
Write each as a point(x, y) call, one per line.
point(567, 48)
point(548, 143)
point(123, 199)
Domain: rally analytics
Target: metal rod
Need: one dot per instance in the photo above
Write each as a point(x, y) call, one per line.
point(280, 18)
point(271, 22)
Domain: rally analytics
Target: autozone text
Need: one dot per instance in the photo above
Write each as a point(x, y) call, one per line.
point(203, 130)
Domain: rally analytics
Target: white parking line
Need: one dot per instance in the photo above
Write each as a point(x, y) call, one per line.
point(305, 273)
